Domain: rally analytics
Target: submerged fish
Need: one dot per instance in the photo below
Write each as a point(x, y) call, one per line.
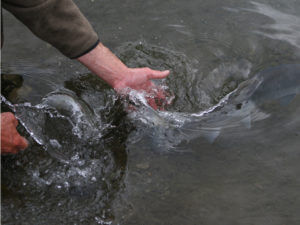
point(281, 83)
point(239, 108)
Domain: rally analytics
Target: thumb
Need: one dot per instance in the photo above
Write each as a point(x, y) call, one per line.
point(21, 143)
point(159, 74)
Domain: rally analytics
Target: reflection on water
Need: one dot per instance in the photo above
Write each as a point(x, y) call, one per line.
point(226, 149)
point(285, 27)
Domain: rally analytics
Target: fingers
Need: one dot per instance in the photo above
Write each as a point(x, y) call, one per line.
point(11, 140)
point(21, 143)
point(155, 74)
point(14, 150)
point(9, 117)
point(15, 121)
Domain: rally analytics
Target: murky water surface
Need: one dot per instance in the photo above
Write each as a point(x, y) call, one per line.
point(226, 149)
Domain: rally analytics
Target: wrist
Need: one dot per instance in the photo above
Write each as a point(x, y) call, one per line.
point(106, 65)
point(119, 80)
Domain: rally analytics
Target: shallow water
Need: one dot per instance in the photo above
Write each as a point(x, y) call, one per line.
point(226, 149)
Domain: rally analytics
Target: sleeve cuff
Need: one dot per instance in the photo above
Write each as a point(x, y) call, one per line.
point(88, 50)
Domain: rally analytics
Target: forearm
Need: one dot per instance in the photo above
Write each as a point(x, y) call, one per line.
point(60, 23)
point(105, 64)
point(108, 67)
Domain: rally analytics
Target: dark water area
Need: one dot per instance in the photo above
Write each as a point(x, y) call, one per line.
point(225, 151)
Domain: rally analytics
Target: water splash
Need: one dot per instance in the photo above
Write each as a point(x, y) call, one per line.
point(239, 108)
point(82, 167)
point(58, 121)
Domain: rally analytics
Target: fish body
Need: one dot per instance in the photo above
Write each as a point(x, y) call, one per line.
point(281, 83)
point(239, 108)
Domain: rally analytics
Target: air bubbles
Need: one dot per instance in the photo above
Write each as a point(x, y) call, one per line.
point(75, 157)
point(66, 184)
point(54, 143)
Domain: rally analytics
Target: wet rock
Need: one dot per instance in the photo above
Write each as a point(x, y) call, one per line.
point(10, 82)
point(13, 89)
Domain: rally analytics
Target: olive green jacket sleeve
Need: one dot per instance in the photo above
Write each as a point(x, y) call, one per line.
point(58, 22)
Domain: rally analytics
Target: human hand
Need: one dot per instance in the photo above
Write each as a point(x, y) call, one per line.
point(108, 67)
point(11, 141)
point(140, 79)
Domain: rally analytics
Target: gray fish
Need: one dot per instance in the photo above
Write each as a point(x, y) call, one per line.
point(278, 84)
point(239, 108)
point(281, 83)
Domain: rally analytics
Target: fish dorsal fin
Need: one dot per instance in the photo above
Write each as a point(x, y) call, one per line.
point(211, 134)
point(286, 100)
point(247, 121)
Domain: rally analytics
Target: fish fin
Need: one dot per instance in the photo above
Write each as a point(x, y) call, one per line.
point(211, 135)
point(285, 100)
point(247, 121)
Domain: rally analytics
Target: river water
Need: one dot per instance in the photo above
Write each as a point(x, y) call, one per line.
point(225, 151)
